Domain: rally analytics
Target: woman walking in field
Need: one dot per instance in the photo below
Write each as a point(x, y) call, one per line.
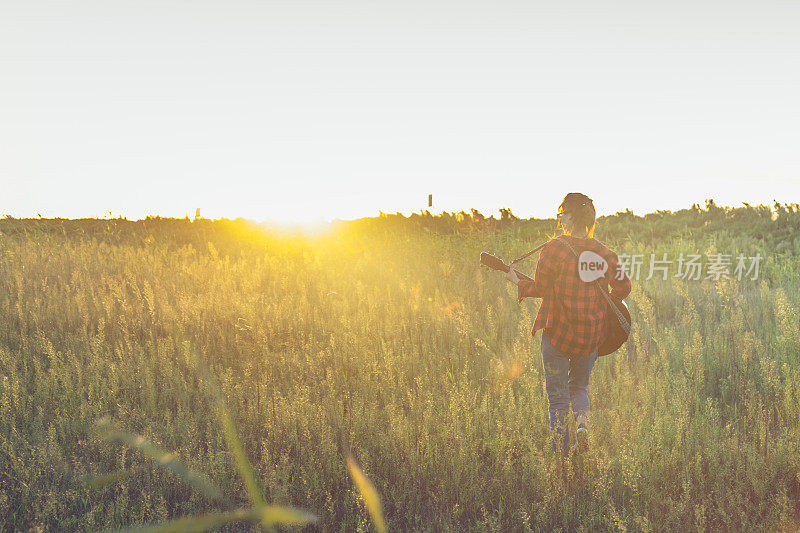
point(572, 312)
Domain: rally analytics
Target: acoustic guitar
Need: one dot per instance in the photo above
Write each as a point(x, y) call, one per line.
point(617, 324)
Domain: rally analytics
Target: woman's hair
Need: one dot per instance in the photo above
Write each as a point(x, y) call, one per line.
point(581, 210)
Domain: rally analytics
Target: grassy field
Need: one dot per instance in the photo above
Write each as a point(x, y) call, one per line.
point(386, 336)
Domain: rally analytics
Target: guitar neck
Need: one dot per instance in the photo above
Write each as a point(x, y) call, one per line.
point(496, 263)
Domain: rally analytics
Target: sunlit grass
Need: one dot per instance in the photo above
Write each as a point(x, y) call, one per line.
point(384, 335)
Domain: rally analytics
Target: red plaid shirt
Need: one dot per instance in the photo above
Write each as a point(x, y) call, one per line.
point(572, 310)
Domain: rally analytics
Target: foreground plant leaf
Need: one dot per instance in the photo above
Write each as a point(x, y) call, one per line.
point(235, 446)
point(272, 515)
point(164, 459)
point(98, 482)
point(368, 492)
point(268, 515)
point(197, 523)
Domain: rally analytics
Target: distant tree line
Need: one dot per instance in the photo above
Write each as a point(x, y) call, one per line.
point(778, 225)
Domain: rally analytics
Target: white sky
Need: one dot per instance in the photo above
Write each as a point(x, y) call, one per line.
point(301, 109)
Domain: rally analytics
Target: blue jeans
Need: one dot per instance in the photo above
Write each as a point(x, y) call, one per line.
point(566, 378)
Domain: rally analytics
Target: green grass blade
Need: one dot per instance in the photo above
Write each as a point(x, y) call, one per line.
point(235, 446)
point(368, 492)
point(98, 482)
point(268, 515)
point(272, 515)
point(164, 459)
point(194, 524)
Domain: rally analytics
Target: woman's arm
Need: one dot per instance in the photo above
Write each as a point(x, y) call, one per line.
point(619, 283)
point(542, 279)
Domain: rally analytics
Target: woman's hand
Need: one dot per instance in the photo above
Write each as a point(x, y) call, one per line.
point(511, 276)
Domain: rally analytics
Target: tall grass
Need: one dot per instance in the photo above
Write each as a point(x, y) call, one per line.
point(385, 335)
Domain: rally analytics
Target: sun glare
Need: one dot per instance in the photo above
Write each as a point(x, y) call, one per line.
point(313, 227)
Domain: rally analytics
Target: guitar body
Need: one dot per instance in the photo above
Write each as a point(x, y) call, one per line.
point(615, 334)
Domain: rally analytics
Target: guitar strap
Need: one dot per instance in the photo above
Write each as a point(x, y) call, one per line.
point(622, 320)
point(518, 259)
